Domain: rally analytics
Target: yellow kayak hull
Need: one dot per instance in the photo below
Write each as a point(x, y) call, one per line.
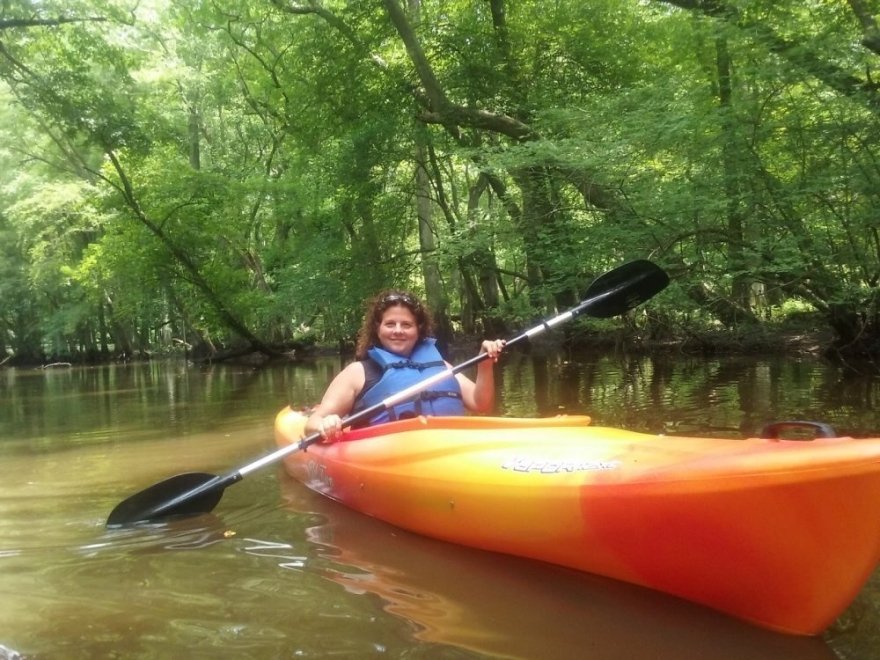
point(781, 533)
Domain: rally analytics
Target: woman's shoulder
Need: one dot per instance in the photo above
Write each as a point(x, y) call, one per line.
point(353, 374)
point(355, 368)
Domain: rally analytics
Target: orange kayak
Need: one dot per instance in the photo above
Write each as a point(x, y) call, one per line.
point(781, 533)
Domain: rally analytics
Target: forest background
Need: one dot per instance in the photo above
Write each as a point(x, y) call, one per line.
point(236, 176)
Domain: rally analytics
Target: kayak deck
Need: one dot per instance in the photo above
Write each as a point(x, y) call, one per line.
point(781, 533)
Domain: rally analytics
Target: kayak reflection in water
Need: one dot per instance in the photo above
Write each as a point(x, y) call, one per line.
point(395, 350)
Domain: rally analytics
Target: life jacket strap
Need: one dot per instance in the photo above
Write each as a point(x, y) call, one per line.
point(421, 366)
point(433, 395)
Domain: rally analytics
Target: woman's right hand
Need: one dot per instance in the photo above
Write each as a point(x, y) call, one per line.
point(330, 427)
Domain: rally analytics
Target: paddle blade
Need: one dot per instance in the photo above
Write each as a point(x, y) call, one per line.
point(186, 494)
point(624, 288)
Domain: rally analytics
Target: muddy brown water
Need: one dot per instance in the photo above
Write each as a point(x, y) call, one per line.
point(278, 572)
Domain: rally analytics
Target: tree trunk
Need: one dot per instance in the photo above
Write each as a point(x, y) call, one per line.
point(435, 296)
point(740, 289)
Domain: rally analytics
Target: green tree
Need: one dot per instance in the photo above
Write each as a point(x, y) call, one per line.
point(234, 175)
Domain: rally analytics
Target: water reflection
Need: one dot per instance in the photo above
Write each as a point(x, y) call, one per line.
point(44, 406)
point(731, 397)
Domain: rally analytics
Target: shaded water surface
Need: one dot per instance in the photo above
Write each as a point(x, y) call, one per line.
point(277, 572)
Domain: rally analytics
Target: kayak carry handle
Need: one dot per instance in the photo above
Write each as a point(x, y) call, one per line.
point(772, 430)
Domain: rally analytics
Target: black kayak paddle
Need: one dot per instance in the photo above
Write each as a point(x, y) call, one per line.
point(194, 493)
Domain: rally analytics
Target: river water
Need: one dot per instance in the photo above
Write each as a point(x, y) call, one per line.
point(278, 572)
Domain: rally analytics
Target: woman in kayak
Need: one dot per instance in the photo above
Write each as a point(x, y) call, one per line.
point(394, 351)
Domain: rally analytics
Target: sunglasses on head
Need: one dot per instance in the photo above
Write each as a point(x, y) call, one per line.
point(393, 298)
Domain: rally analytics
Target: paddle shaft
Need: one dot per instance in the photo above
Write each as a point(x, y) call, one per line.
point(615, 292)
point(422, 385)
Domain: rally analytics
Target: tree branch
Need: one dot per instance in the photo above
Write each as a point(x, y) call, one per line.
point(871, 33)
point(9, 23)
point(793, 52)
point(439, 109)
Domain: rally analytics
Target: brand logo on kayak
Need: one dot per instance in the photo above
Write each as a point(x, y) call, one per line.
point(519, 464)
point(318, 475)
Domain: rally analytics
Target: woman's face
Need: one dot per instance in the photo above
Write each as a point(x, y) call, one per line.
point(398, 330)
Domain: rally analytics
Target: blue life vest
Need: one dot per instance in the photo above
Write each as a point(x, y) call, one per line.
point(398, 373)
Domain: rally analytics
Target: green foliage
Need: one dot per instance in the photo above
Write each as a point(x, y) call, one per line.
point(231, 172)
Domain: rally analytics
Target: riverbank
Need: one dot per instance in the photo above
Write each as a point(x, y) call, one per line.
point(753, 342)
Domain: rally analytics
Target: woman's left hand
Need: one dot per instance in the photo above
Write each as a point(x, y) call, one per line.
point(493, 348)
